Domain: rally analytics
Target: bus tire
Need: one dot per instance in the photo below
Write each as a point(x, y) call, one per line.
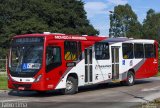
point(71, 86)
point(130, 79)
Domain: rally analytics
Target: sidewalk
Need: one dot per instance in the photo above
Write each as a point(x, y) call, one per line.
point(3, 72)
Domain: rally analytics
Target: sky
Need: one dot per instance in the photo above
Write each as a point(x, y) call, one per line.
point(98, 11)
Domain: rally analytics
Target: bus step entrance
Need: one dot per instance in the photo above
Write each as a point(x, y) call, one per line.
point(115, 80)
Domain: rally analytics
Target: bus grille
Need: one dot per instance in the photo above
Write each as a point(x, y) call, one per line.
point(26, 86)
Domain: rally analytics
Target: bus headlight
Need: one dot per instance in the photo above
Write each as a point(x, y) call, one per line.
point(38, 78)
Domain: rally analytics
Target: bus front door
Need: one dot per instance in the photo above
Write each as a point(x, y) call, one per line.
point(88, 65)
point(115, 62)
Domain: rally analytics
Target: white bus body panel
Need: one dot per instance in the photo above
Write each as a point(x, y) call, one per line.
point(102, 69)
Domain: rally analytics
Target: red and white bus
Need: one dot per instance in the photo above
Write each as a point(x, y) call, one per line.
point(52, 61)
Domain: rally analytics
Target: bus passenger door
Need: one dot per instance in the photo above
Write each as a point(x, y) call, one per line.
point(115, 62)
point(88, 65)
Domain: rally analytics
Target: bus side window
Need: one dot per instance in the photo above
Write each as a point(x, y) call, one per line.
point(71, 50)
point(149, 50)
point(79, 51)
point(138, 50)
point(53, 57)
point(127, 49)
point(101, 51)
point(155, 51)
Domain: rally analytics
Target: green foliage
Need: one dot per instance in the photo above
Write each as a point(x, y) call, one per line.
point(151, 25)
point(3, 53)
point(37, 16)
point(124, 23)
point(3, 81)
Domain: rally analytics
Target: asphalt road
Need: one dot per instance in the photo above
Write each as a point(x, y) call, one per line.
point(98, 96)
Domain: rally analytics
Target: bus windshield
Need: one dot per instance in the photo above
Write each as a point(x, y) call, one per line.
point(25, 58)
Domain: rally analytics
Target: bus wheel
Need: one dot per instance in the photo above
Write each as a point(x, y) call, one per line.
point(71, 85)
point(130, 79)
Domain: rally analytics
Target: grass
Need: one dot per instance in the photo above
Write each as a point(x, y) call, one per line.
point(3, 81)
point(158, 75)
point(153, 104)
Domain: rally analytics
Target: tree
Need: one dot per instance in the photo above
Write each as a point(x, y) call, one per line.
point(124, 23)
point(37, 16)
point(151, 25)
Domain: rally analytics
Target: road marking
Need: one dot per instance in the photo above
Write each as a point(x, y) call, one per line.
point(14, 100)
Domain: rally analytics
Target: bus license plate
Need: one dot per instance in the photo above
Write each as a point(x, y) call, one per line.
point(21, 88)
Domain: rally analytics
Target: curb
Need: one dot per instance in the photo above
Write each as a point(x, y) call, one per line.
point(4, 91)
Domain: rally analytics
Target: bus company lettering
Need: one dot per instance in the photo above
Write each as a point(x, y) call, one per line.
point(70, 37)
point(102, 66)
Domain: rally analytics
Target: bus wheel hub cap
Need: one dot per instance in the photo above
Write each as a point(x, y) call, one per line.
point(130, 78)
point(69, 85)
